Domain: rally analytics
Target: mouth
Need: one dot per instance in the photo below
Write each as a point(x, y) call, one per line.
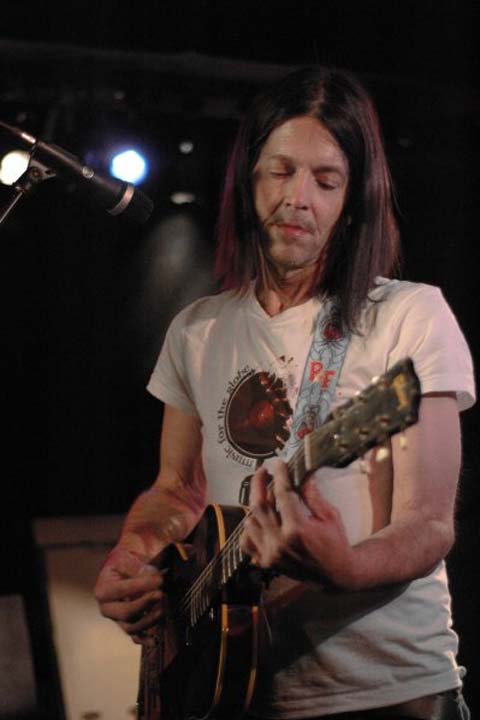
point(293, 230)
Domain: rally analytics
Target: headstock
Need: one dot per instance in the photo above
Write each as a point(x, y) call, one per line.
point(388, 405)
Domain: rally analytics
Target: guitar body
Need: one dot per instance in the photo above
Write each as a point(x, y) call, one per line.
point(201, 664)
point(205, 669)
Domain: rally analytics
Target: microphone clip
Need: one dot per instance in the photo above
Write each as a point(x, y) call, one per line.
point(36, 173)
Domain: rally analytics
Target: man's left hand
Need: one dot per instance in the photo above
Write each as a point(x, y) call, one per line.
point(295, 533)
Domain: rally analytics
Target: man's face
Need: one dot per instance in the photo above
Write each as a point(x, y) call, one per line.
point(300, 183)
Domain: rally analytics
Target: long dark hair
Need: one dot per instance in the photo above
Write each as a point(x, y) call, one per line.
point(365, 241)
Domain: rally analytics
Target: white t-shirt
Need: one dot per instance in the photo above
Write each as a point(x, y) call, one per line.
point(238, 369)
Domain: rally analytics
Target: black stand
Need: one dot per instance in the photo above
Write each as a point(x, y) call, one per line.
point(26, 184)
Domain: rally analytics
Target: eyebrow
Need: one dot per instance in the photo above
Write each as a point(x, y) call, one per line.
point(320, 169)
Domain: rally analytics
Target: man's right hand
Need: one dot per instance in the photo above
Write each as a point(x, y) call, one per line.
point(129, 591)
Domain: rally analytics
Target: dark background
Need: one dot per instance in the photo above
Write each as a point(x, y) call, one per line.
point(86, 298)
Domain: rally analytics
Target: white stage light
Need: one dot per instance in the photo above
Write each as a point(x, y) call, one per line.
point(129, 166)
point(13, 165)
point(182, 198)
point(186, 147)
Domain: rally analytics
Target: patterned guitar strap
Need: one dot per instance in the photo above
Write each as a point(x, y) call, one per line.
point(320, 375)
point(322, 369)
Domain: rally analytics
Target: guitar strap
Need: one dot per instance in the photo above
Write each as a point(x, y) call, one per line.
point(320, 375)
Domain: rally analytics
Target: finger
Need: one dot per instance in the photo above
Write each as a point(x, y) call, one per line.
point(248, 546)
point(256, 536)
point(145, 638)
point(143, 570)
point(111, 590)
point(271, 495)
point(258, 487)
point(148, 619)
point(261, 541)
point(127, 562)
point(138, 631)
point(282, 487)
point(289, 505)
point(130, 610)
point(316, 503)
point(141, 639)
point(264, 518)
point(281, 480)
point(251, 529)
point(148, 569)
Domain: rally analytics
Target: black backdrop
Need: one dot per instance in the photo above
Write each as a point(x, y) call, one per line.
point(86, 298)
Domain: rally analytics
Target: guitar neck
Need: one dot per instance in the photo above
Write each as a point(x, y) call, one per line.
point(388, 405)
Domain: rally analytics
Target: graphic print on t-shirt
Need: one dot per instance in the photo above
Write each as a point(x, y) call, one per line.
point(253, 418)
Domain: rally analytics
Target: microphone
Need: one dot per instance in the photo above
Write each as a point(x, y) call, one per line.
point(114, 196)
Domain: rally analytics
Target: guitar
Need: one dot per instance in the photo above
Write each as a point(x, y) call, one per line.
point(202, 663)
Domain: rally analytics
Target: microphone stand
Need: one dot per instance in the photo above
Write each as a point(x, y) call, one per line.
point(35, 173)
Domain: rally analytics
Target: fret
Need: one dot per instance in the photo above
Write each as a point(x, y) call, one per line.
point(320, 442)
point(205, 600)
point(203, 603)
point(299, 470)
point(307, 447)
point(224, 570)
point(387, 406)
point(229, 563)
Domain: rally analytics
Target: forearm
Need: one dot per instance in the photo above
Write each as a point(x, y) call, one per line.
point(173, 505)
point(303, 535)
point(425, 474)
point(130, 586)
point(407, 549)
point(157, 518)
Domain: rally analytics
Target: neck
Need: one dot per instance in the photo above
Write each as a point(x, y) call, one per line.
point(288, 290)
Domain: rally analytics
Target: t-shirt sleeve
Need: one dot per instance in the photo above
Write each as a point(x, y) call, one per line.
point(169, 380)
point(426, 330)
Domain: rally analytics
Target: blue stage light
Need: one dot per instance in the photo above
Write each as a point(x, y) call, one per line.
point(129, 165)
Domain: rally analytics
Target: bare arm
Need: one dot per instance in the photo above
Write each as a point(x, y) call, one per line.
point(129, 588)
point(426, 473)
point(421, 529)
point(172, 506)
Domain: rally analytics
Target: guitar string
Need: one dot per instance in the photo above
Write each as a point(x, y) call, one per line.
point(214, 567)
point(194, 593)
point(292, 464)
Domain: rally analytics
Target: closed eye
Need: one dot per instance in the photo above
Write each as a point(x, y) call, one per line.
point(326, 185)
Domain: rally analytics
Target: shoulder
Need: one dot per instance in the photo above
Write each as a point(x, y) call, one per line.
point(205, 310)
point(418, 309)
point(414, 319)
point(395, 292)
point(392, 302)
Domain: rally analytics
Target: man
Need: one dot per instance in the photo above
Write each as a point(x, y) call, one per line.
point(359, 617)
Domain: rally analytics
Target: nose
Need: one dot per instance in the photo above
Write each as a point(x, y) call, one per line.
point(299, 190)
